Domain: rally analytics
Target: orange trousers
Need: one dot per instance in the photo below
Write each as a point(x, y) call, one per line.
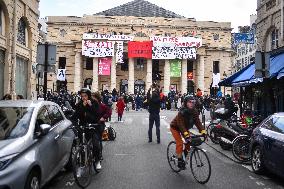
point(179, 143)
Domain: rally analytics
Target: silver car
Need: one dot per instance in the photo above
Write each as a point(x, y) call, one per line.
point(35, 143)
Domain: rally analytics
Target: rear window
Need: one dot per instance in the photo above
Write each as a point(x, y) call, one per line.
point(14, 122)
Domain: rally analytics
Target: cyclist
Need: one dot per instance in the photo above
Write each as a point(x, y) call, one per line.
point(185, 119)
point(104, 115)
point(87, 112)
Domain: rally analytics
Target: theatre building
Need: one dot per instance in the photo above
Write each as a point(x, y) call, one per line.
point(132, 46)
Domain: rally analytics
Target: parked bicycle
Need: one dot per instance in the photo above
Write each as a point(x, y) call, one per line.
point(197, 158)
point(83, 158)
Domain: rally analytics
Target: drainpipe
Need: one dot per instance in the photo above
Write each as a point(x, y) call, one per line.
point(14, 43)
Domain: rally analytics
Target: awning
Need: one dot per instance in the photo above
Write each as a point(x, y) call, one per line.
point(277, 66)
point(245, 77)
point(229, 80)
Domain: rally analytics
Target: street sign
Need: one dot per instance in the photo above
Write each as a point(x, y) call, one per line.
point(51, 57)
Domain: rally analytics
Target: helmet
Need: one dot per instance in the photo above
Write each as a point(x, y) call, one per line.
point(87, 91)
point(188, 98)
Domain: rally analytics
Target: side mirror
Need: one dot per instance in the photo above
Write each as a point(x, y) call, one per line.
point(44, 129)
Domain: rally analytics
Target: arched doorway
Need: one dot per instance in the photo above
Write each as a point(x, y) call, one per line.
point(123, 86)
point(88, 83)
point(139, 87)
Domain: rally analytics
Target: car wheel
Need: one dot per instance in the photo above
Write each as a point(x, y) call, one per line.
point(257, 160)
point(33, 181)
point(69, 166)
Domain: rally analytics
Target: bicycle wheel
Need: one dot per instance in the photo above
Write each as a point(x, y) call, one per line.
point(210, 127)
point(82, 169)
point(241, 148)
point(215, 135)
point(172, 157)
point(200, 166)
point(111, 133)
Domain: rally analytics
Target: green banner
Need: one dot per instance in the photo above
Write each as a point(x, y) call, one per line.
point(175, 68)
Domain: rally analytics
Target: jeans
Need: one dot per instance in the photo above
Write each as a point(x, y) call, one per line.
point(154, 118)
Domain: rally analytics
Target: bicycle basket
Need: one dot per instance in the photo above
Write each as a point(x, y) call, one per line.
point(196, 142)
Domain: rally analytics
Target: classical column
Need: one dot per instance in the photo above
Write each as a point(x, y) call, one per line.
point(184, 76)
point(78, 71)
point(14, 60)
point(201, 74)
point(113, 74)
point(95, 84)
point(149, 74)
point(131, 76)
point(167, 77)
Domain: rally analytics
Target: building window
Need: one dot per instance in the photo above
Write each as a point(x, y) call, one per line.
point(62, 63)
point(274, 39)
point(216, 67)
point(124, 66)
point(140, 64)
point(270, 4)
point(89, 64)
point(21, 38)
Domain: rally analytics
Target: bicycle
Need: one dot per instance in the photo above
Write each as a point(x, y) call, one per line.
point(83, 158)
point(196, 156)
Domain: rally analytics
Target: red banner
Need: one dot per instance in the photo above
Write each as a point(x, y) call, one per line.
point(104, 66)
point(189, 75)
point(140, 49)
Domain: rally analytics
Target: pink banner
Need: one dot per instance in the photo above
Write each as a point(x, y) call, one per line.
point(105, 66)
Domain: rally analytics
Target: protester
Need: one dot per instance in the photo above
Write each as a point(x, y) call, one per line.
point(120, 106)
point(154, 117)
point(7, 97)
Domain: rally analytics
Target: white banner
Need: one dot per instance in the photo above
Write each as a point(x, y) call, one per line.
point(186, 53)
point(179, 41)
point(61, 74)
point(97, 49)
point(216, 80)
point(164, 53)
point(119, 52)
point(88, 36)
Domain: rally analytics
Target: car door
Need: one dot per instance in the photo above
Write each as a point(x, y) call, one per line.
point(277, 148)
point(64, 135)
point(47, 146)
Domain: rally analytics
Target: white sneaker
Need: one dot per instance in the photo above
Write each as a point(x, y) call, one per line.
point(98, 165)
point(80, 172)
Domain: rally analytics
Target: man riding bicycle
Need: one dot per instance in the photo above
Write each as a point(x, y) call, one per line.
point(185, 119)
point(87, 112)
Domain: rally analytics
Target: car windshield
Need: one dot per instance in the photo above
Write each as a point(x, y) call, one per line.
point(14, 122)
point(279, 124)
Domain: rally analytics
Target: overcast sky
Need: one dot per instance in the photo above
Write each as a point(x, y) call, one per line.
point(236, 11)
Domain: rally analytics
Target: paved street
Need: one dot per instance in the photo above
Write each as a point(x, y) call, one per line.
point(131, 162)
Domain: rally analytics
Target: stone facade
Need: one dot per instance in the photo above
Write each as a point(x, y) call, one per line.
point(269, 22)
point(18, 45)
point(67, 33)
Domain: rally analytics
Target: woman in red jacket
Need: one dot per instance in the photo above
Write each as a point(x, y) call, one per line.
point(120, 105)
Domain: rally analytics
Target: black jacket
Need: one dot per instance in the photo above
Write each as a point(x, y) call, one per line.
point(154, 104)
point(86, 114)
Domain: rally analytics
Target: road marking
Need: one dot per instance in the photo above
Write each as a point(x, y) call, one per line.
point(124, 154)
point(69, 183)
point(260, 183)
point(248, 167)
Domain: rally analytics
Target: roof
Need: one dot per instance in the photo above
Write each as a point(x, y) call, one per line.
point(20, 103)
point(140, 8)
